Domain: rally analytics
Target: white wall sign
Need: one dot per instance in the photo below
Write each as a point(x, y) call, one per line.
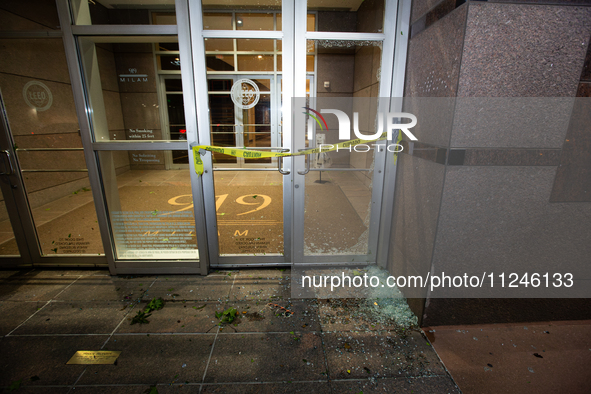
point(245, 93)
point(37, 95)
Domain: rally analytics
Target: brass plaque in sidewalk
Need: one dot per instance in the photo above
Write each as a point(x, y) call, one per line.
point(94, 357)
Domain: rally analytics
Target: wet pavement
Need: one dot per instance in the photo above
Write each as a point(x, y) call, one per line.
point(268, 343)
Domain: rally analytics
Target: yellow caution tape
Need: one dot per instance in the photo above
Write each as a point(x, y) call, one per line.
point(254, 154)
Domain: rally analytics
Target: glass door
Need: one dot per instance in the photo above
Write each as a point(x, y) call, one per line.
point(329, 205)
point(48, 212)
point(10, 222)
point(136, 98)
point(338, 193)
point(244, 196)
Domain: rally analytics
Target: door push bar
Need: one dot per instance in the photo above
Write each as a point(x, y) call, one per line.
point(7, 153)
point(307, 160)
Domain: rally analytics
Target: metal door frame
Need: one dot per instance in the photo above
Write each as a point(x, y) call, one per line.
point(388, 37)
point(69, 13)
point(18, 207)
point(198, 35)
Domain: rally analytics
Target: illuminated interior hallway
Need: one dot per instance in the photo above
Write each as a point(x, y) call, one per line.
point(53, 218)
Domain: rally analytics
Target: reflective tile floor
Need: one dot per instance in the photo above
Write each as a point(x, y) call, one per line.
point(47, 316)
point(73, 214)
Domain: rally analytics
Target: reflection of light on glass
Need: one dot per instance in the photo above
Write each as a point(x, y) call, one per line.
point(260, 56)
point(34, 114)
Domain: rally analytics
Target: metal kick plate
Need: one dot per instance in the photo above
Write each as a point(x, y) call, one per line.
point(104, 357)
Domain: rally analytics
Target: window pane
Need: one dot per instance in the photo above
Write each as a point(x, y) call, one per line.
point(130, 12)
point(45, 129)
point(352, 69)
point(172, 62)
point(217, 21)
point(150, 208)
point(255, 63)
point(353, 16)
point(254, 21)
point(249, 44)
point(219, 44)
point(126, 101)
point(220, 62)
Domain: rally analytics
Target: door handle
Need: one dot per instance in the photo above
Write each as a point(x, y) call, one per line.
point(280, 166)
point(7, 153)
point(307, 160)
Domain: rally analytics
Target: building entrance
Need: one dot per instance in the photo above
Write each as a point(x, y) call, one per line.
point(150, 82)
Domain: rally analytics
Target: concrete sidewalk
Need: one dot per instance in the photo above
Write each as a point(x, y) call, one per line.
point(274, 345)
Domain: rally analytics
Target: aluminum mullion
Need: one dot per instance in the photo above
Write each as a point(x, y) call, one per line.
point(385, 86)
point(191, 125)
point(398, 74)
point(243, 260)
point(203, 126)
point(338, 259)
point(266, 34)
point(240, 52)
point(144, 145)
point(288, 26)
point(122, 30)
point(76, 79)
point(323, 35)
point(298, 185)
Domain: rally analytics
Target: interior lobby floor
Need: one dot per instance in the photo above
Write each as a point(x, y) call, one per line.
point(73, 215)
point(49, 315)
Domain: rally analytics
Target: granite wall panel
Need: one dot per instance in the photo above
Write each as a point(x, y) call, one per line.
point(41, 12)
point(586, 73)
point(434, 57)
point(140, 110)
point(363, 77)
point(510, 157)
point(573, 176)
point(419, 184)
point(417, 198)
point(337, 21)
point(421, 7)
point(515, 50)
point(500, 219)
point(495, 211)
point(59, 118)
point(511, 122)
point(336, 69)
point(370, 16)
point(42, 58)
point(12, 22)
point(108, 69)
